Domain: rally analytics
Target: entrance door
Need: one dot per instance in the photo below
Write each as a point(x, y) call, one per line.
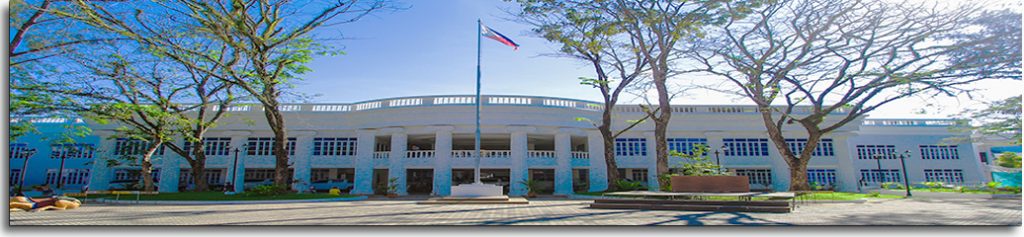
point(419, 181)
point(545, 179)
point(581, 180)
point(380, 181)
point(496, 177)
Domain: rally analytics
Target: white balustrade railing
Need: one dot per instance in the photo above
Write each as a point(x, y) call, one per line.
point(580, 155)
point(381, 154)
point(483, 153)
point(910, 122)
point(419, 154)
point(540, 154)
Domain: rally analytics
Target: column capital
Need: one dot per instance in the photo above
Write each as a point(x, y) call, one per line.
point(442, 128)
point(303, 133)
point(520, 129)
point(716, 133)
point(570, 131)
point(392, 130)
point(237, 133)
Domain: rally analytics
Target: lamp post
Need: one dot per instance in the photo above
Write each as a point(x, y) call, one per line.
point(881, 175)
point(903, 164)
point(718, 161)
point(24, 167)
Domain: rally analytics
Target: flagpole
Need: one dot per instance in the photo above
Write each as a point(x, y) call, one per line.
point(476, 141)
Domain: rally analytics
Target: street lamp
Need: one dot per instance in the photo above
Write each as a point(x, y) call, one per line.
point(24, 167)
point(881, 175)
point(234, 168)
point(717, 160)
point(903, 163)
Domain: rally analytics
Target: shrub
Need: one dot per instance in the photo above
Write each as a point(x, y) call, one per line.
point(892, 185)
point(626, 185)
point(873, 194)
point(933, 185)
point(268, 190)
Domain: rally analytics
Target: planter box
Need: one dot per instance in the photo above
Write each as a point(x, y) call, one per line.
point(710, 184)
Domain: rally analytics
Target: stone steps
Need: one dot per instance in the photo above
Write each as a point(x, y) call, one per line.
point(693, 205)
point(475, 200)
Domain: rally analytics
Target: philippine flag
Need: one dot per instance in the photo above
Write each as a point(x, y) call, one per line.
point(490, 33)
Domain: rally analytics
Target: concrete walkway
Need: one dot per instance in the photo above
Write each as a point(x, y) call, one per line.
point(538, 212)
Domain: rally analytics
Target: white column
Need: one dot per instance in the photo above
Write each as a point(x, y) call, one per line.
point(780, 170)
point(170, 170)
point(396, 160)
point(442, 160)
point(519, 171)
point(100, 174)
point(563, 159)
point(652, 161)
point(846, 174)
point(715, 144)
point(238, 140)
point(302, 168)
point(365, 144)
point(598, 168)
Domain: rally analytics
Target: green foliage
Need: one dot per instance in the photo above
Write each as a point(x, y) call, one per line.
point(268, 190)
point(874, 194)
point(532, 186)
point(1001, 118)
point(392, 187)
point(892, 185)
point(627, 185)
point(933, 185)
point(1009, 160)
point(696, 163)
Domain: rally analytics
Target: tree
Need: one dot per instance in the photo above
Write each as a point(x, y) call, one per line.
point(585, 33)
point(1001, 118)
point(36, 39)
point(659, 30)
point(267, 42)
point(839, 60)
point(1008, 160)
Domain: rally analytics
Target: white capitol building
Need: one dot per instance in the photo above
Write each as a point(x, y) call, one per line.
point(426, 142)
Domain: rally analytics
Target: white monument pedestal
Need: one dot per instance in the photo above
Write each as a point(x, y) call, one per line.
point(477, 190)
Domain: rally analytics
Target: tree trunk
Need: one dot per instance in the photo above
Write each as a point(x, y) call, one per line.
point(147, 167)
point(609, 156)
point(199, 176)
point(661, 126)
point(276, 122)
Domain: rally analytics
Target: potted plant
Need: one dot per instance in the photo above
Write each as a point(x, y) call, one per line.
point(392, 188)
point(531, 187)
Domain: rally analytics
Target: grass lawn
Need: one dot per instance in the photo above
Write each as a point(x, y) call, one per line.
point(950, 190)
point(836, 196)
point(218, 196)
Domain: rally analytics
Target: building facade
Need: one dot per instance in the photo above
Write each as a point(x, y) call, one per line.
point(426, 145)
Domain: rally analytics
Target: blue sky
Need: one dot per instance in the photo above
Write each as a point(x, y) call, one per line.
point(430, 49)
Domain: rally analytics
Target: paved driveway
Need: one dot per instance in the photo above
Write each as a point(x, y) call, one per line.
point(552, 212)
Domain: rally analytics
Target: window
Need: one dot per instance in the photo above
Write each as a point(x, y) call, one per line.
point(19, 150)
point(824, 147)
point(867, 152)
point(71, 176)
point(125, 146)
point(134, 175)
point(821, 176)
point(213, 146)
point(630, 147)
point(939, 152)
point(949, 176)
point(639, 175)
point(686, 145)
point(264, 146)
point(71, 151)
point(334, 146)
point(761, 177)
point(213, 176)
point(15, 177)
point(260, 175)
point(880, 176)
point(746, 146)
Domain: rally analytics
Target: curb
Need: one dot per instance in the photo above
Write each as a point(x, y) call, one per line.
point(150, 202)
